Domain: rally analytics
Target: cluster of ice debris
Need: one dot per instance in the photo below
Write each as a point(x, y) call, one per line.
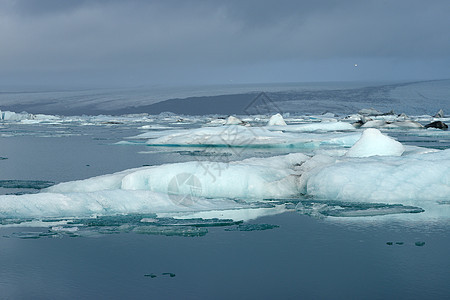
point(365, 118)
point(369, 167)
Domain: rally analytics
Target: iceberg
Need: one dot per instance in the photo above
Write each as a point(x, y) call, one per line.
point(253, 178)
point(12, 116)
point(26, 118)
point(156, 189)
point(419, 181)
point(276, 120)
point(416, 179)
point(373, 142)
point(439, 114)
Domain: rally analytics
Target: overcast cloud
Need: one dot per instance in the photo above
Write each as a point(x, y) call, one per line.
point(172, 42)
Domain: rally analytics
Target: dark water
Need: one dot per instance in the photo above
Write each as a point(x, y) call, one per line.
point(302, 258)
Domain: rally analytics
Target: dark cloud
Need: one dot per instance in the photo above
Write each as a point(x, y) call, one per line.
point(214, 41)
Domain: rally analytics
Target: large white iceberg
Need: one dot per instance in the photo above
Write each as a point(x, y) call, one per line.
point(157, 189)
point(373, 142)
point(253, 178)
point(276, 120)
point(421, 180)
point(416, 179)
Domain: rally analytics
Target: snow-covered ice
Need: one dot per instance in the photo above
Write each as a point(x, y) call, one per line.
point(421, 180)
point(312, 127)
point(228, 135)
point(276, 120)
point(373, 142)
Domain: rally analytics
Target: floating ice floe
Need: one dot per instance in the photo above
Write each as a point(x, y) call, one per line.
point(439, 114)
point(419, 180)
point(276, 120)
point(253, 178)
point(203, 186)
point(229, 135)
point(392, 125)
point(241, 136)
point(312, 127)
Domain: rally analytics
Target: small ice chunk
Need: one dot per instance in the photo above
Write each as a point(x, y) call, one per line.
point(276, 120)
point(439, 114)
point(232, 120)
point(373, 142)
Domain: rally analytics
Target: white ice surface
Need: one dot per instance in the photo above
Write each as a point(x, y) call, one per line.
point(276, 120)
point(316, 126)
point(154, 189)
point(229, 135)
point(421, 180)
point(392, 125)
point(373, 142)
point(103, 202)
point(243, 136)
point(253, 178)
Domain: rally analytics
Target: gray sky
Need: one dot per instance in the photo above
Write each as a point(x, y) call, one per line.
point(137, 42)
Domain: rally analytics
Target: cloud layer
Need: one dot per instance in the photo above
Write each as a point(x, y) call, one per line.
point(217, 41)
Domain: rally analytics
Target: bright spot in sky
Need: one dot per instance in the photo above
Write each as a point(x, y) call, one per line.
point(356, 65)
